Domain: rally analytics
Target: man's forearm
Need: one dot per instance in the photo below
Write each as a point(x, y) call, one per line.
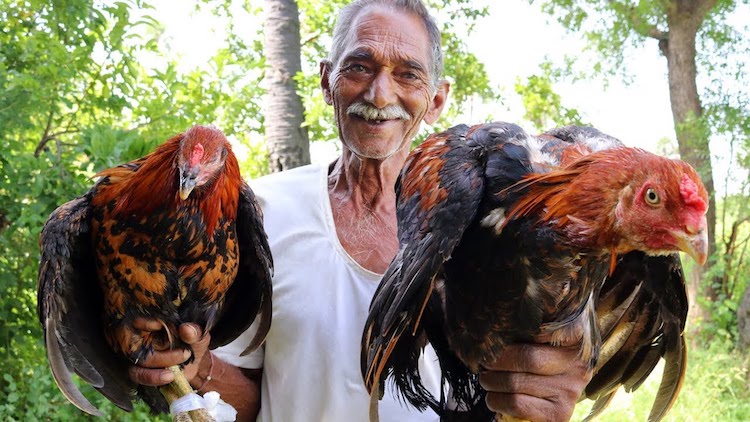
point(238, 387)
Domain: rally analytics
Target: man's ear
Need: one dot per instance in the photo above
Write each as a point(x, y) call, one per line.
point(325, 84)
point(438, 102)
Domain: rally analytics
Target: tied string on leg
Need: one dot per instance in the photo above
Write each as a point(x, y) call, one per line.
point(179, 391)
point(189, 406)
point(186, 404)
point(220, 410)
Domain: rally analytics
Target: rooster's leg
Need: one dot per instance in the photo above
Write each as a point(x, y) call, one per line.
point(180, 387)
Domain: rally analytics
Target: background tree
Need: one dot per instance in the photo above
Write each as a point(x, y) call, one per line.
point(286, 138)
point(679, 27)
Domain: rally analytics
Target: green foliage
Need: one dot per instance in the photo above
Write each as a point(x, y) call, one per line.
point(77, 99)
point(543, 105)
point(728, 275)
point(612, 28)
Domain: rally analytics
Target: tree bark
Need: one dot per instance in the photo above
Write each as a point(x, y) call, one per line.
point(685, 19)
point(286, 139)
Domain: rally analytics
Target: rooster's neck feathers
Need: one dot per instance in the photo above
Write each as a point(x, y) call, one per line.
point(153, 186)
point(581, 199)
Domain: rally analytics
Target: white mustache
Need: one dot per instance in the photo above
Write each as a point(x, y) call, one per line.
point(370, 112)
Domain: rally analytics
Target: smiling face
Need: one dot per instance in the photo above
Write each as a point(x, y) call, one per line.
point(381, 87)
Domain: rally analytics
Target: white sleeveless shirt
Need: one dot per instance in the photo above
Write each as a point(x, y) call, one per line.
point(321, 298)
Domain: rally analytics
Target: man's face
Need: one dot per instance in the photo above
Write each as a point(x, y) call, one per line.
point(381, 88)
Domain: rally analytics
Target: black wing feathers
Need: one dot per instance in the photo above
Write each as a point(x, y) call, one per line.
point(73, 332)
point(250, 294)
point(429, 228)
point(642, 310)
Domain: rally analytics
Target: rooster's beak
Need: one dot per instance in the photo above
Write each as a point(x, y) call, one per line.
point(694, 242)
point(187, 182)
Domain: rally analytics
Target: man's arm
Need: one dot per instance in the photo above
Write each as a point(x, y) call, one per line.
point(238, 387)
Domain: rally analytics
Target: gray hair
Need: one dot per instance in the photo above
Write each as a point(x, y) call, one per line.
point(349, 13)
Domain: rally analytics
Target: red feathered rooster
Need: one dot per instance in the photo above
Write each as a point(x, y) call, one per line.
point(506, 236)
point(175, 236)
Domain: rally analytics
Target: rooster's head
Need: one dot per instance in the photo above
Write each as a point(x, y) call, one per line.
point(203, 151)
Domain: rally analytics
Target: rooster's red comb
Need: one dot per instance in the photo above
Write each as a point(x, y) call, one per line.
point(691, 194)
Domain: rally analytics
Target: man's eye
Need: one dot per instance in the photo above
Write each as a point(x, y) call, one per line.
point(410, 75)
point(357, 68)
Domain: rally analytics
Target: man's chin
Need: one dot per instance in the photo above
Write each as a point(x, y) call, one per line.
point(368, 152)
point(374, 155)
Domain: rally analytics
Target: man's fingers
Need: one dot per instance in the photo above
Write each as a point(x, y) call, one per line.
point(536, 359)
point(165, 358)
point(147, 324)
point(525, 407)
point(151, 377)
point(190, 333)
point(522, 383)
point(570, 335)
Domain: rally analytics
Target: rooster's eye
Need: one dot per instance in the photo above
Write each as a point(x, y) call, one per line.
point(651, 196)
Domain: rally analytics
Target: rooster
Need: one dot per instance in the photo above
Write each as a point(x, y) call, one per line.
point(175, 236)
point(505, 237)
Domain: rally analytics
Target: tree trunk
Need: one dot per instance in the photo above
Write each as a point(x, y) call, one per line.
point(743, 321)
point(684, 19)
point(286, 139)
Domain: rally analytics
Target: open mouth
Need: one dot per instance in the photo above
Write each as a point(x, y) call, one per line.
point(370, 121)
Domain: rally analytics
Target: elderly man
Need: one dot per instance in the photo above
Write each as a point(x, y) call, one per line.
point(332, 232)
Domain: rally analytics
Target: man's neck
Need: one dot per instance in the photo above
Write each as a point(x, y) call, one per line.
point(368, 183)
point(363, 201)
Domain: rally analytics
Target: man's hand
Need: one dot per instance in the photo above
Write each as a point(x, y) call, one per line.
point(536, 382)
point(151, 371)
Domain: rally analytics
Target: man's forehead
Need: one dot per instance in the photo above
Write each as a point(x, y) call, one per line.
point(400, 57)
point(387, 33)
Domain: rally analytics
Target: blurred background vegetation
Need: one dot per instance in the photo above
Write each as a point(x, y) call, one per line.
point(86, 85)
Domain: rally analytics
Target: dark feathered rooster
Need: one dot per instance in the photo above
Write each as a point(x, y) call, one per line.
point(506, 236)
point(175, 236)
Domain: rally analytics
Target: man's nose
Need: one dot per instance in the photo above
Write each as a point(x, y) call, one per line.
point(381, 91)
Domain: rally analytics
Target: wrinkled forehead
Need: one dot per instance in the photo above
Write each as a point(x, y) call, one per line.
point(387, 34)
